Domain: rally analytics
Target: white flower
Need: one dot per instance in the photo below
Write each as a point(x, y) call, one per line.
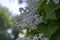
point(35, 37)
point(46, 39)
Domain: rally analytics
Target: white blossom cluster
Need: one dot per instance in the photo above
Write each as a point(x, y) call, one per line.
point(28, 18)
point(35, 37)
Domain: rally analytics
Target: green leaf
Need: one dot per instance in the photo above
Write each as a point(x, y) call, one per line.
point(52, 29)
point(56, 35)
point(49, 10)
point(40, 6)
point(48, 30)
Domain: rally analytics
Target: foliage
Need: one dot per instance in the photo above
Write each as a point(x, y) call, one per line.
point(5, 23)
point(5, 18)
point(15, 32)
point(51, 25)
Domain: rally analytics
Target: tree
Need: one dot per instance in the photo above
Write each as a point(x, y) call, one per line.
point(6, 22)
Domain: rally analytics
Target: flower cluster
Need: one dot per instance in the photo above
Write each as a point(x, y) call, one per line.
point(28, 18)
point(35, 37)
